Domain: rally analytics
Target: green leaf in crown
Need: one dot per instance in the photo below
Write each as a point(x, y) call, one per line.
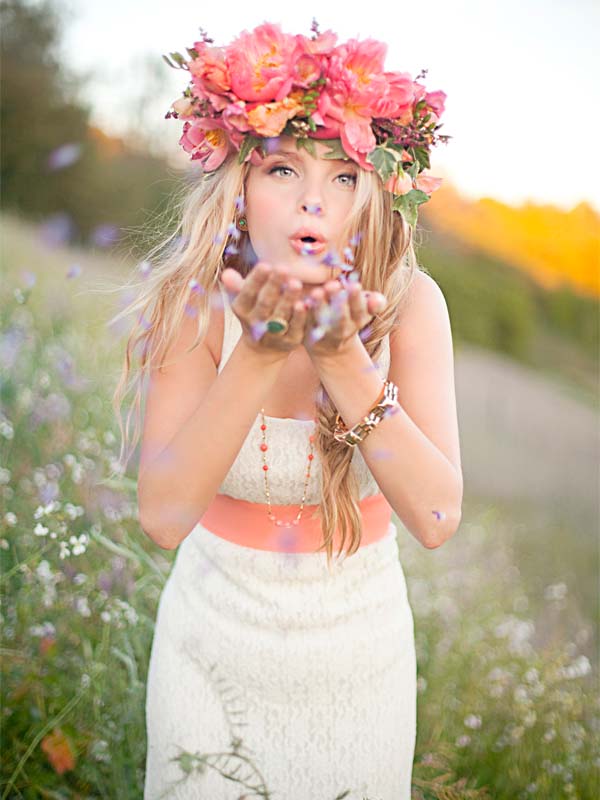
point(407, 204)
point(385, 161)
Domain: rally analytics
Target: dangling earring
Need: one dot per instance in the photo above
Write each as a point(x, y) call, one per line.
point(243, 224)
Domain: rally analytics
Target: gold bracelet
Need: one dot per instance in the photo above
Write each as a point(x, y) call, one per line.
point(387, 400)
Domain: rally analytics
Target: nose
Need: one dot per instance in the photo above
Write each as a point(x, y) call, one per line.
point(312, 207)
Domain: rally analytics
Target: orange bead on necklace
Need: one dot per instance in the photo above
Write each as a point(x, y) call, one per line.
point(263, 449)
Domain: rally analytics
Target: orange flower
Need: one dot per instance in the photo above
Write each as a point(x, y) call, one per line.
point(269, 119)
point(59, 751)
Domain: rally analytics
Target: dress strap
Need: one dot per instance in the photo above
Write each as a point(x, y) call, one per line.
point(232, 329)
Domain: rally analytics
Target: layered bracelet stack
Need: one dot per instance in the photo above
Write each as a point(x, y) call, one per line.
point(385, 404)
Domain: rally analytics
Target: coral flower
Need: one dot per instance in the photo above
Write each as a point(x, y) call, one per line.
point(207, 141)
point(427, 183)
point(399, 184)
point(261, 63)
point(210, 69)
point(270, 119)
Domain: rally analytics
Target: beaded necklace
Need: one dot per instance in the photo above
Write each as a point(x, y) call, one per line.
point(263, 449)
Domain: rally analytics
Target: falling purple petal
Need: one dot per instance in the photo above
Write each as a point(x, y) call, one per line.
point(330, 259)
point(348, 254)
point(365, 333)
point(354, 277)
point(317, 334)
point(29, 278)
point(57, 230)
point(231, 250)
point(145, 267)
point(63, 156)
point(219, 239)
point(74, 271)
point(314, 208)
point(195, 286)
point(105, 235)
point(271, 144)
point(439, 514)
point(355, 240)
point(239, 204)
point(258, 330)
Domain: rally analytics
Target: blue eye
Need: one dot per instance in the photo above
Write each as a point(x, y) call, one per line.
point(276, 169)
point(350, 175)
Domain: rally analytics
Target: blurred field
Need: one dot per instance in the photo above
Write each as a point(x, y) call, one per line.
point(505, 612)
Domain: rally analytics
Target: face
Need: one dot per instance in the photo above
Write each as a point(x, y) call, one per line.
point(297, 207)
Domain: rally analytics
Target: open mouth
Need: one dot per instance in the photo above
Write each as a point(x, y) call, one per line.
point(308, 245)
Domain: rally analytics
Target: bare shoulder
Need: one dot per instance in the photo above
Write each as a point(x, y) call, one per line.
point(423, 311)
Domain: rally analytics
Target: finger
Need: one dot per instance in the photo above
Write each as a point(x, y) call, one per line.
point(376, 302)
point(291, 294)
point(298, 321)
point(358, 306)
point(269, 294)
point(250, 286)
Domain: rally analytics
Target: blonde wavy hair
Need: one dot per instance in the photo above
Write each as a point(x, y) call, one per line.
point(195, 251)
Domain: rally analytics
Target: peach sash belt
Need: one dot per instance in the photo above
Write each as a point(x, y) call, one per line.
point(247, 524)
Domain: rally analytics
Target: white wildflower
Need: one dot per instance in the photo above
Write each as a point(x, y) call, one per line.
point(463, 741)
point(82, 606)
point(40, 530)
point(4, 476)
point(10, 519)
point(472, 721)
point(64, 550)
point(6, 429)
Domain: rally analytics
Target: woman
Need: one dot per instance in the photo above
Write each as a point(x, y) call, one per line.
point(301, 390)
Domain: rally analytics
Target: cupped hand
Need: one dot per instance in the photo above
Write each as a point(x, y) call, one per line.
point(337, 314)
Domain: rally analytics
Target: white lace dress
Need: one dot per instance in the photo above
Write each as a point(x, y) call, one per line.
point(296, 681)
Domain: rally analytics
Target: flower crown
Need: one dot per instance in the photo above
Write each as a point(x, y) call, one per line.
point(268, 83)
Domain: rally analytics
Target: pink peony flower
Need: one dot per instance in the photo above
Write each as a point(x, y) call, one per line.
point(436, 101)
point(207, 141)
point(261, 63)
point(399, 184)
point(235, 116)
point(427, 183)
point(321, 45)
point(269, 119)
point(210, 69)
point(396, 99)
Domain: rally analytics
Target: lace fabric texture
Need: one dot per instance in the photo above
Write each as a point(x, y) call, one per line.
point(295, 679)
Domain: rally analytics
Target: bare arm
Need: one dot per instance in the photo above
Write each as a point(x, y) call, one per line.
point(177, 485)
point(197, 420)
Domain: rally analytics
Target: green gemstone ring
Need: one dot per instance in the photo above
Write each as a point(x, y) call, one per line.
point(277, 325)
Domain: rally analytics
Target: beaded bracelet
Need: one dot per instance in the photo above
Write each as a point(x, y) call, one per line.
point(387, 400)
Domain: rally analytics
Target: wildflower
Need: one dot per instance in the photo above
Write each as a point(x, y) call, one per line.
point(472, 721)
point(10, 519)
point(463, 741)
point(40, 530)
point(64, 550)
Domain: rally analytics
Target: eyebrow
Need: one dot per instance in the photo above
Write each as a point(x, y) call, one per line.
point(294, 154)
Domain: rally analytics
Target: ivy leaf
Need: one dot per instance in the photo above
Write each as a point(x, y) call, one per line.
point(308, 144)
point(407, 204)
point(335, 149)
point(247, 146)
point(385, 161)
point(422, 156)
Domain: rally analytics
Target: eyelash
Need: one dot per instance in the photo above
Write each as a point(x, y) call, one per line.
point(342, 175)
